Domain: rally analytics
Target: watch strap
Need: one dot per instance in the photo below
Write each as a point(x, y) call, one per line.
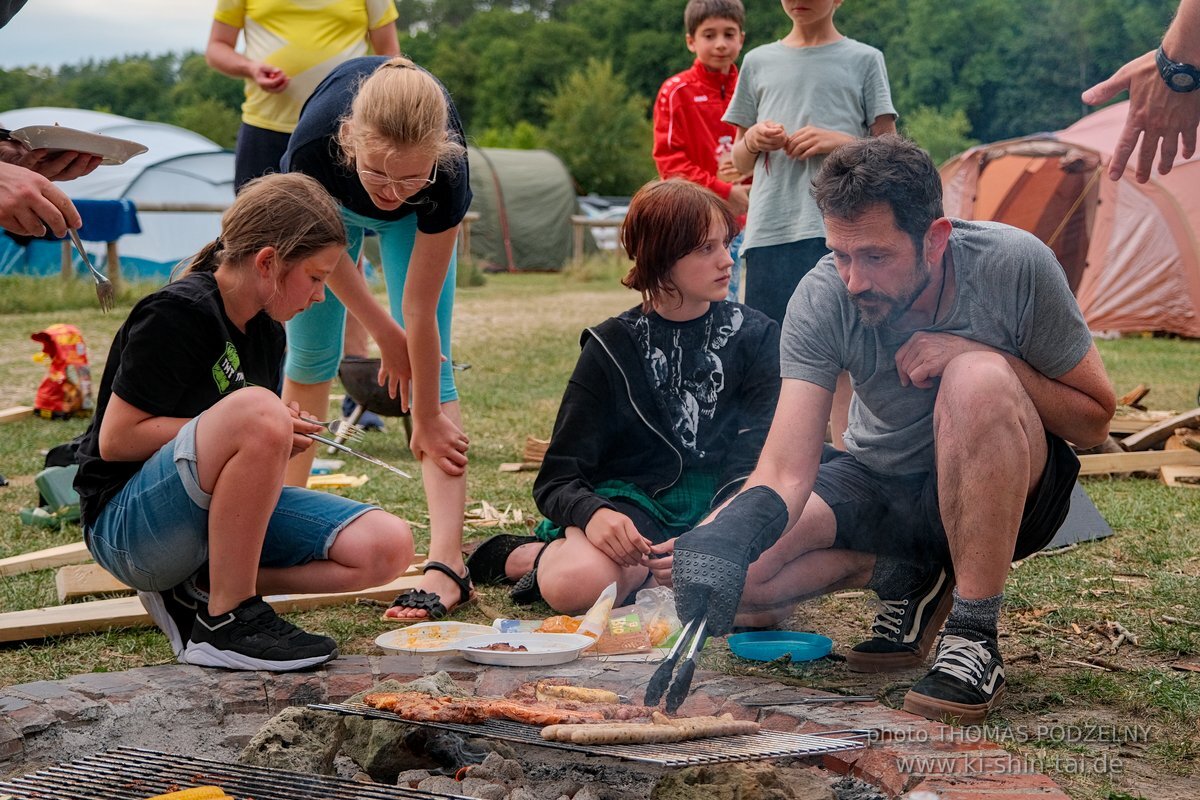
point(1178, 76)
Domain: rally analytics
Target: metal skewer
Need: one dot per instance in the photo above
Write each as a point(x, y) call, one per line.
point(351, 451)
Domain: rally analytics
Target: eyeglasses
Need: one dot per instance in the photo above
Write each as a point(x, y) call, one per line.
point(408, 186)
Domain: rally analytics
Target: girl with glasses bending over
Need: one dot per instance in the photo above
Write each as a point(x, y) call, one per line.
point(383, 137)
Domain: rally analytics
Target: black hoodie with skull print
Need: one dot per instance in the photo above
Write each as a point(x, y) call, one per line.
point(650, 398)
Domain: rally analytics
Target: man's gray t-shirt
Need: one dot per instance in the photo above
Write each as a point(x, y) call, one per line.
point(841, 86)
point(1011, 294)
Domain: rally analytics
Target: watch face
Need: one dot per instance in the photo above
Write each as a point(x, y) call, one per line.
point(1182, 81)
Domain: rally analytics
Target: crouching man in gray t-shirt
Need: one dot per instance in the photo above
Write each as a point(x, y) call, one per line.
point(971, 364)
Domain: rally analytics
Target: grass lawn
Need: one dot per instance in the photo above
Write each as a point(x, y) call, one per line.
point(1127, 730)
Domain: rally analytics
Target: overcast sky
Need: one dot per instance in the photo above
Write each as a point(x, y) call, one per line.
point(54, 32)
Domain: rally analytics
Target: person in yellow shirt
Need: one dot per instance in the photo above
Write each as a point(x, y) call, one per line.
point(290, 48)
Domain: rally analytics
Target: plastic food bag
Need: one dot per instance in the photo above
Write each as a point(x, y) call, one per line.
point(656, 607)
point(595, 621)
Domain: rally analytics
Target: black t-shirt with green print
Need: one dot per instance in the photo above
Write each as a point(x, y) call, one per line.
point(175, 356)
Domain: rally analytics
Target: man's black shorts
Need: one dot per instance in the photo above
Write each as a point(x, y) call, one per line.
point(898, 515)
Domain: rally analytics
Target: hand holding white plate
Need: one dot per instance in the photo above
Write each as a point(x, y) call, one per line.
point(56, 137)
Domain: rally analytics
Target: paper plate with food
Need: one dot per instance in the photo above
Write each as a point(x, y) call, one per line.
point(524, 649)
point(430, 637)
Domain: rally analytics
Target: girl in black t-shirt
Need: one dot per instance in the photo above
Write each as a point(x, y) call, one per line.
point(662, 420)
point(383, 137)
point(181, 472)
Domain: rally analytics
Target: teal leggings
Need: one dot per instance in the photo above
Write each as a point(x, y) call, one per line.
point(314, 337)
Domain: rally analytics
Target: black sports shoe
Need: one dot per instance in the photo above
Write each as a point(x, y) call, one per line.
point(253, 636)
point(173, 611)
point(905, 629)
point(966, 681)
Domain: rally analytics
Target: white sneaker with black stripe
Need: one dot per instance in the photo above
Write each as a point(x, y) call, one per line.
point(252, 637)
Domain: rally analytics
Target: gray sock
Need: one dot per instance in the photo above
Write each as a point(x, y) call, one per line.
point(893, 578)
point(975, 619)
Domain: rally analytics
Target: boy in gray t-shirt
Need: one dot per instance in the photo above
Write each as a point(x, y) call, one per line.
point(796, 100)
point(972, 369)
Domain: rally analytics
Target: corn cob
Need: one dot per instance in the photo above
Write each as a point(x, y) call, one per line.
point(196, 793)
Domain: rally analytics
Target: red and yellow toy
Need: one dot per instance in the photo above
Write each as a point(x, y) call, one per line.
point(66, 391)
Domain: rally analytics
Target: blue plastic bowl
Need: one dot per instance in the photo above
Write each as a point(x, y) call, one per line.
point(770, 645)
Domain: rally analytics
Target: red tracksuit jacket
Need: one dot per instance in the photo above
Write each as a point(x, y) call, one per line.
point(687, 126)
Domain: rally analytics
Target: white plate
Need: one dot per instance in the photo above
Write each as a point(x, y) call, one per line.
point(56, 137)
point(544, 649)
point(430, 637)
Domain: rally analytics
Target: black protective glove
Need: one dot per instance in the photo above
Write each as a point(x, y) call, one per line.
point(711, 560)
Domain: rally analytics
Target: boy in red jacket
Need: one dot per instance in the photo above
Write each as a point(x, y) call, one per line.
point(690, 140)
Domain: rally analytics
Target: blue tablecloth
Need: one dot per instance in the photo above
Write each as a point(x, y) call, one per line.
point(107, 220)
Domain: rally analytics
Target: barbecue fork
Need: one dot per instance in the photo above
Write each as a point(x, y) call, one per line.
point(105, 291)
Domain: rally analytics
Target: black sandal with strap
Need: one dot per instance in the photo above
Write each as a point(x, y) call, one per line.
point(526, 590)
point(486, 564)
point(431, 602)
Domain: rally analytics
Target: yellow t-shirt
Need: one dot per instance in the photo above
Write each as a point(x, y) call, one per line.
point(304, 38)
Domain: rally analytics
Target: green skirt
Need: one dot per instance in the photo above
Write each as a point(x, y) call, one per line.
point(675, 511)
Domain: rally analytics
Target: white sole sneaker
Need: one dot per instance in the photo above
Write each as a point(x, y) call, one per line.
point(205, 655)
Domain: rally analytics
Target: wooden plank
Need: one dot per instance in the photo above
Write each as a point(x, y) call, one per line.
point(1135, 396)
point(127, 612)
point(15, 413)
point(45, 559)
point(1161, 431)
point(1128, 425)
point(1105, 463)
point(80, 580)
point(1172, 476)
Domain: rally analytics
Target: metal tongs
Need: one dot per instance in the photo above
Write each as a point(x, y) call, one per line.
point(692, 637)
point(351, 451)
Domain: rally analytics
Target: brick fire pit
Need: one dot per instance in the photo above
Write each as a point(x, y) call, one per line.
point(208, 713)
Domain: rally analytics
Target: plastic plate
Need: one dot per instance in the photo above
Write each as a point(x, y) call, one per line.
point(430, 637)
point(542, 649)
point(770, 645)
point(55, 137)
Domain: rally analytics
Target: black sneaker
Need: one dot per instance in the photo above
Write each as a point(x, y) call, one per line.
point(174, 612)
point(966, 681)
point(905, 629)
point(253, 636)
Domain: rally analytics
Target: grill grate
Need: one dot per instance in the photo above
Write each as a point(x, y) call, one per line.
point(128, 773)
point(756, 747)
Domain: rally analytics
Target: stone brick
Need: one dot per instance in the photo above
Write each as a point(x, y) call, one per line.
point(74, 709)
point(9, 704)
point(114, 687)
point(881, 767)
point(242, 692)
point(401, 665)
point(287, 689)
point(30, 718)
point(348, 665)
point(12, 743)
point(40, 690)
point(338, 687)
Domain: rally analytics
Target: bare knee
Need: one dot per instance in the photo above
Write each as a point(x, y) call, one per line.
point(256, 420)
point(979, 392)
point(572, 585)
point(378, 544)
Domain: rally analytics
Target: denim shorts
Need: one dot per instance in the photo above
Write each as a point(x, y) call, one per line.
point(154, 533)
point(899, 515)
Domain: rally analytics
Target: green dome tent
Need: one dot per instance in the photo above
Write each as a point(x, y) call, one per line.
point(525, 199)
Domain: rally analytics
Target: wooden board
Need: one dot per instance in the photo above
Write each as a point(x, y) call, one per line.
point(80, 580)
point(15, 413)
point(1105, 463)
point(1161, 431)
point(45, 559)
point(127, 612)
point(1128, 425)
point(1170, 476)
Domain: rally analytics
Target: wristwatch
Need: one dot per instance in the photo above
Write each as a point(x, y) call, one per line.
point(1179, 77)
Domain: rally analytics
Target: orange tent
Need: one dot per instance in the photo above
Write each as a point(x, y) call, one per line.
point(1131, 251)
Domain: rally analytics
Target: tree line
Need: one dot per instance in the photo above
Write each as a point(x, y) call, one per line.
point(578, 76)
